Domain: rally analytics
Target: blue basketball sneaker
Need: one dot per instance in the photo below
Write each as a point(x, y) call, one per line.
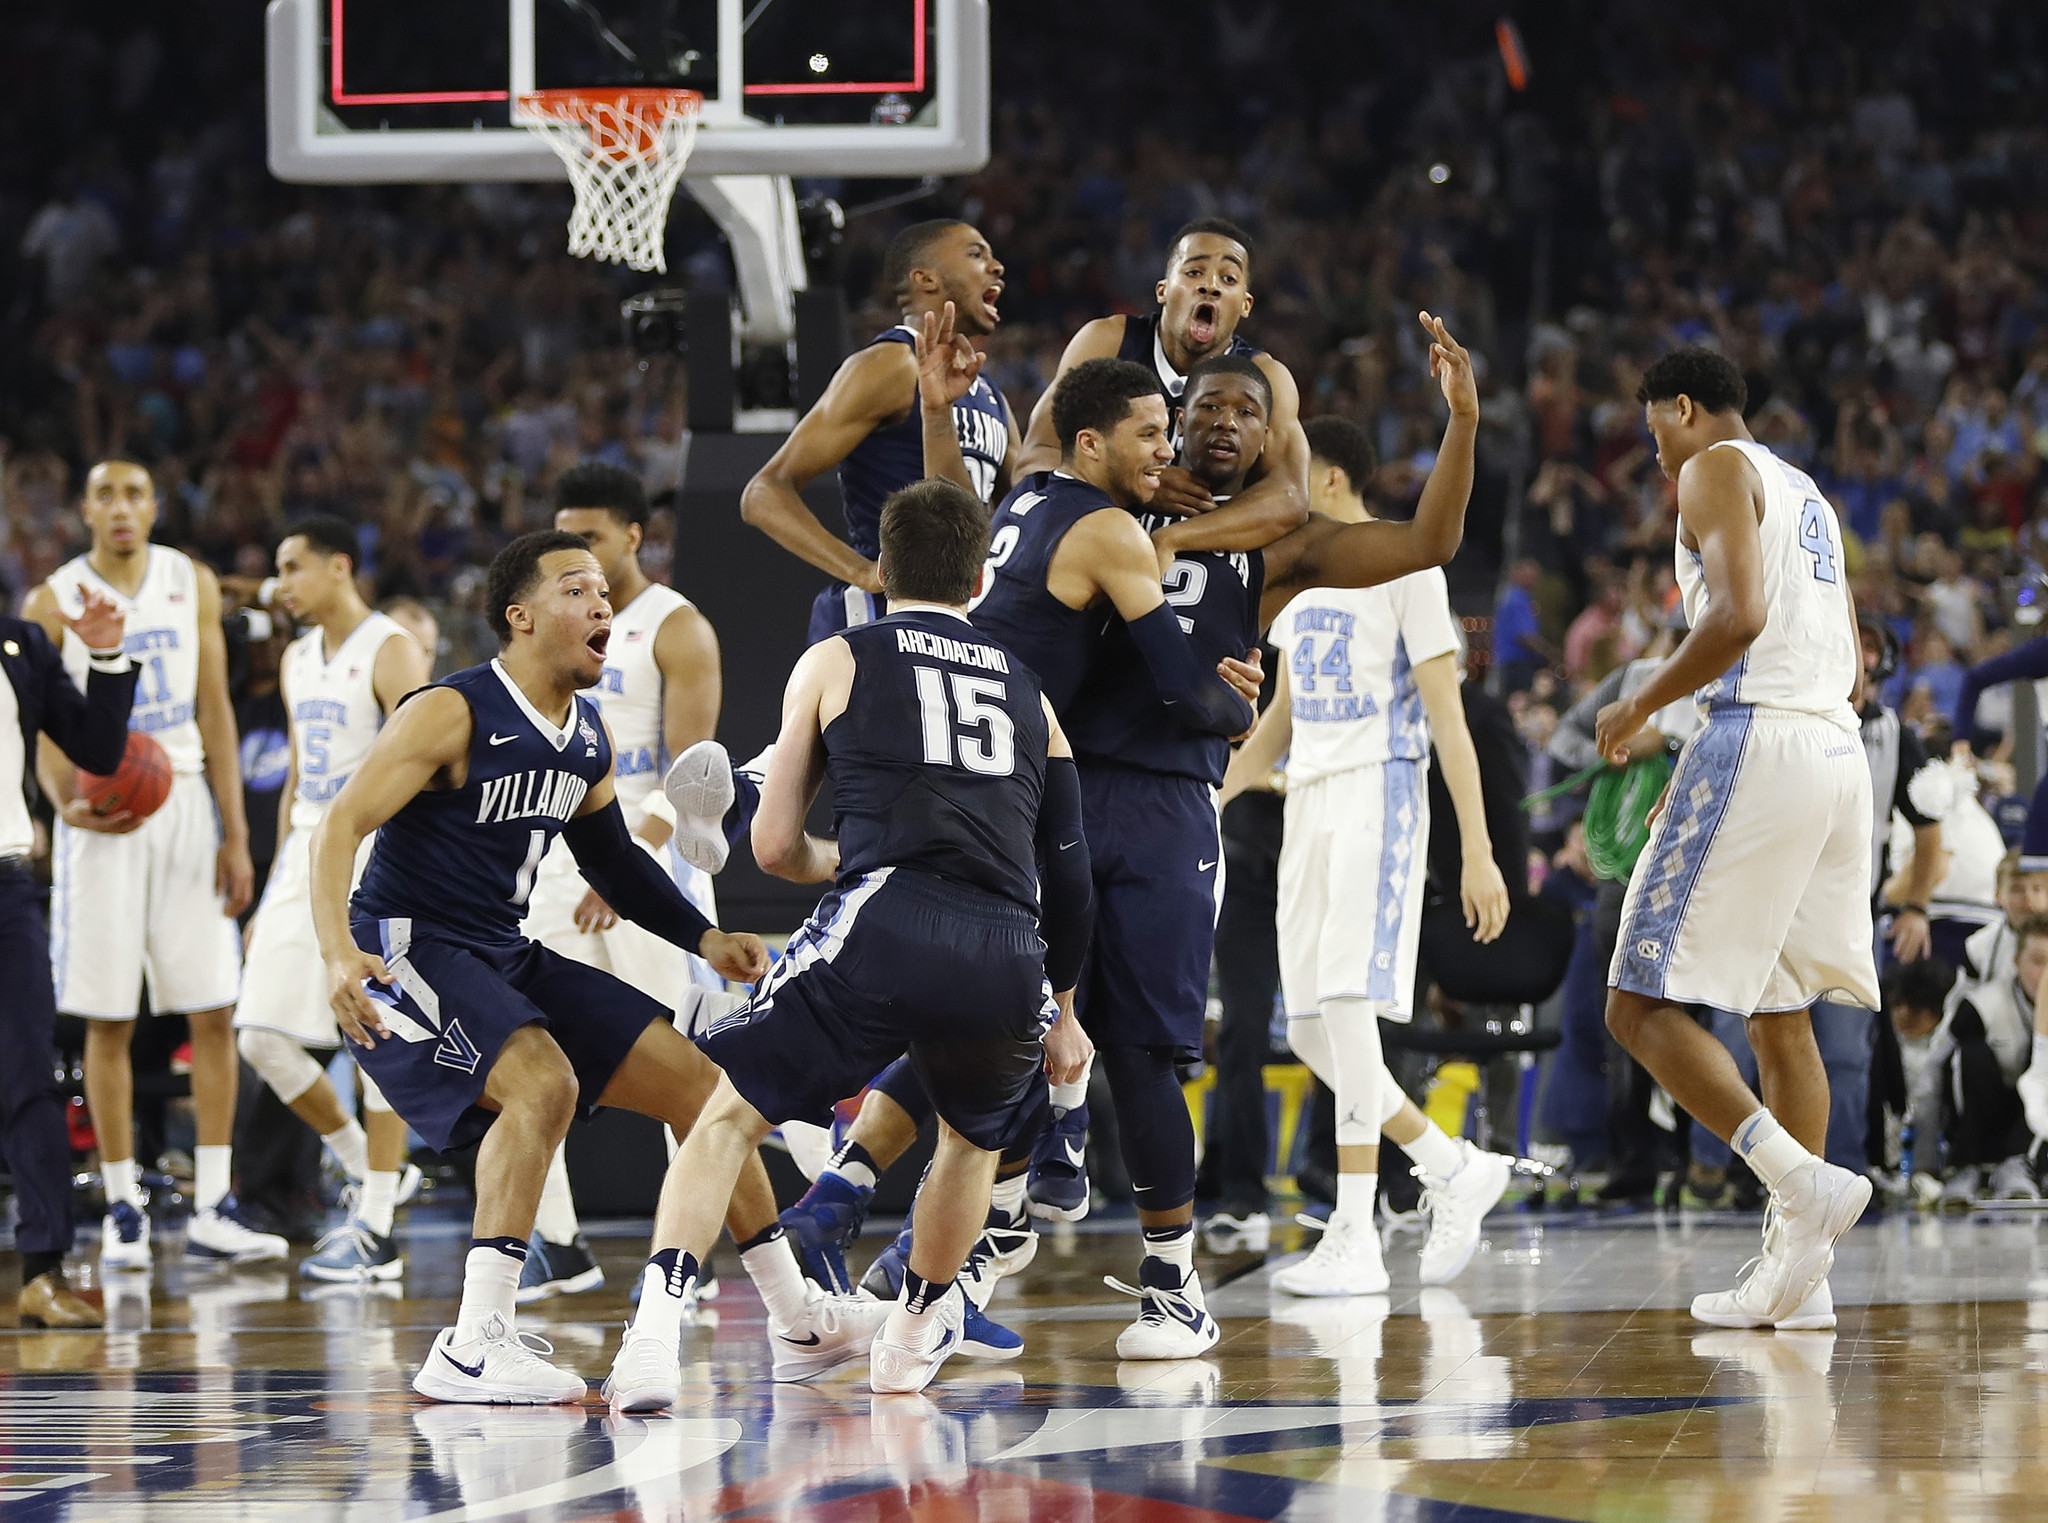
point(821, 1225)
point(1058, 1190)
point(982, 1338)
point(884, 1279)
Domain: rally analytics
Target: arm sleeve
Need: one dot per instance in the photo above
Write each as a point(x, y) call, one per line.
point(1572, 741)
point(2025, 661)
point(1066, 885)
point(1200, 699)
point(1912, 757)
point(90, 727)
point(629, 879)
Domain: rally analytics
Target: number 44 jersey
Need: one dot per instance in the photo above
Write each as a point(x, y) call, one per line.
point(938, 761)
point(1350, 656)
point(1806, 657)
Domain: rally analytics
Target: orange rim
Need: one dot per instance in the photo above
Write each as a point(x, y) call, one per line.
point(624, 121)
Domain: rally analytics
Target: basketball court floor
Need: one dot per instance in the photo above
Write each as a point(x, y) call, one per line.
point(1559, 1378)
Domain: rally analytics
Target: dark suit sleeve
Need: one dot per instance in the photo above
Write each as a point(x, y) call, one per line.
point(90, 727)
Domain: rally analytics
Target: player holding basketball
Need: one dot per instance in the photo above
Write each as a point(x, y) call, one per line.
point(1753, 893)
point(1369, 683)
point(474, 1032)
point(958, 813)
point(154, 898)
point(340, 680)
point(659, 695)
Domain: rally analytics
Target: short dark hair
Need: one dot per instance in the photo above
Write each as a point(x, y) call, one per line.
point(328, 535)
point(515, 572)
point(2027, 930)
point(934, 537)
point(1230, 364)
point(1342, 443)
point(1220, 227)
point(908, 251)
point(1921, 985)
point(1097, 394)
point(1708, 377)
point(609, 488)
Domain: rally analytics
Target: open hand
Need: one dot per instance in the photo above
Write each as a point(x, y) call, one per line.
point(1180, 493)
point(1614, 727)
point(1067, 1048)
point(99, 622)
point(1484, 894)
point(361, 1018)
point(947, 364)
point(1452, 367)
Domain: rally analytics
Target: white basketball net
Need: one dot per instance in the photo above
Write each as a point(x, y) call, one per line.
point(625, 150)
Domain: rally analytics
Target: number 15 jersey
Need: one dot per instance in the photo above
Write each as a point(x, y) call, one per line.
point(1806, 657)
point(1350, 655)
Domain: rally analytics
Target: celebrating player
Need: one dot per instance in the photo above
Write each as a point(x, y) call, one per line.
point(1753, 894)
point(154, 898)
point(474, 1032)
point(659, 695)
point(957, 812)
point(339, 680)
point(1369, 681)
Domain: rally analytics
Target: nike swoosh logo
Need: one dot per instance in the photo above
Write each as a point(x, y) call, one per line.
point(475, 1372)
point(1202, 867)
point(1068, 845)
point(810, 1342)
point(1078, 1157)
point(499, 740)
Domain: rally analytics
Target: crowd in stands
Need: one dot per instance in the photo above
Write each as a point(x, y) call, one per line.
point(1857, 215)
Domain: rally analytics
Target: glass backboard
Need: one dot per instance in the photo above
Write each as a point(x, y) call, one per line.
point(388, 90)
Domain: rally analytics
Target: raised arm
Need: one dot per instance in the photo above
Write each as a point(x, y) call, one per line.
point(1717, 503)
point(816, 695)
point(1325, 553)
point(2025, 661)
point(89, 728)
point(872, 387)
point(1097, 340)
point(235, 874)
point(947, 368)
point(425, 737)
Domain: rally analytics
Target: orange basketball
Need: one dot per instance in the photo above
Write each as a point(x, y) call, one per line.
point(139, 785)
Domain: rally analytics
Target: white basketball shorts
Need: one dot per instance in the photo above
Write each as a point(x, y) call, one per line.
point(1753, 894)
point(142, 905)
point(1352, 866)
point(627, 951)
point(284, 981)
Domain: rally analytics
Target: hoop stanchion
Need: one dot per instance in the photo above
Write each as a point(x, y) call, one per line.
point(625, 150)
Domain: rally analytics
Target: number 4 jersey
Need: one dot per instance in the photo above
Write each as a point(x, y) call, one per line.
point(1350, 655)
point(1806, 657)
point(938, 761)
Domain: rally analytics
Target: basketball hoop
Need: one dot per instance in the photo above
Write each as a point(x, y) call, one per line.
point(625, 149)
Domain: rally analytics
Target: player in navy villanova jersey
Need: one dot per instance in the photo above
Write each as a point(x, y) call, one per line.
point(471, 1031)
point(867, 423)
point(957, 811)
point(1068, 557)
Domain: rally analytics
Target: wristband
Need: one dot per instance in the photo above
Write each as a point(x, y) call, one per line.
point(1915, 909)
point(113, 661)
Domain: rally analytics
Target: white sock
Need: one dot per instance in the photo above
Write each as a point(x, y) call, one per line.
point(1354, 1197)
point(121, 1180)
point(213, 1170)
point(1769, 1150)
point(555, 1217)
point(1066, 1096)
point(772, 1267)
point(490, 1281)
point(379, 1198)
point(1008, 1195)
point(1176, 1245)
point(664, 1284)
point(1439, 1155)
point(350, 1145)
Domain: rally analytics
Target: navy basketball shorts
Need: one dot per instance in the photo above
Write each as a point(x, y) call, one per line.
point(1156, 845)
point(841, 607)
point(452, 1006)
point(897, 959)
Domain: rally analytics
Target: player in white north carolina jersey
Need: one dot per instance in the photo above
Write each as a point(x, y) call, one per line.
point(1753, 894)
point(660, 693)
point(339, 680)
point(155, 898)
point(1365, 675)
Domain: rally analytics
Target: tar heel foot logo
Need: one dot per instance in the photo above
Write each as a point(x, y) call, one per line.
point(456, 1050)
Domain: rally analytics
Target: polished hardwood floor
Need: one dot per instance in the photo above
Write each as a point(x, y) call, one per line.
point(1559, 1378)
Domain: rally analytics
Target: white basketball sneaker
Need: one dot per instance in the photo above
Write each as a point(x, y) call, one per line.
point(124, 1237)
point(222, 1235)
point(832, 1331)
point(647, 1374)
point(1813, 1206)
point(1722, 1308)
point(907, 1352)
point(699, 787)
point(1456, 1208)
point(1345, 1263)
point(497, 1368)
point(1175, 1323)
